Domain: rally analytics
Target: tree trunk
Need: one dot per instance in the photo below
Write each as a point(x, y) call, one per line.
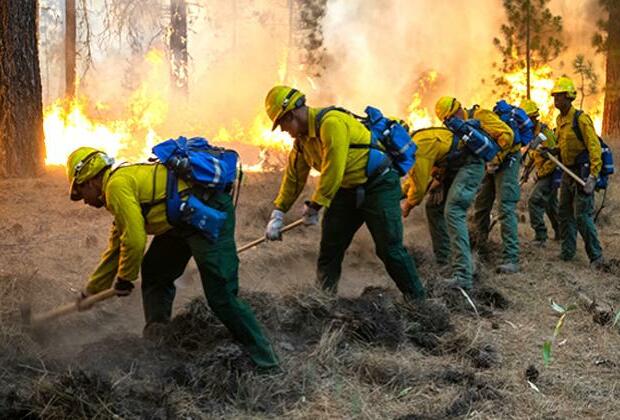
point(22, 151)
point(611, 113)
point(178, 43)
point(70, 35)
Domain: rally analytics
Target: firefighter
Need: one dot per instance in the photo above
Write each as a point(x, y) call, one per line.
point(339, 150)
point(577, 202)
point(135, 195)
point(450, 174)
point(501, 180)
point(544, 197)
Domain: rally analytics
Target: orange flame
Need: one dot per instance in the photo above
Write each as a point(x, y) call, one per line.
point(69, 126)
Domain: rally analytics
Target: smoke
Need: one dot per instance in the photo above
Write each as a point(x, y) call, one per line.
point(376, 51)
point(381, 48)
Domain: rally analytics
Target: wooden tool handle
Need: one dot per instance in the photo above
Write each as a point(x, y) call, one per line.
point(568, 171)
point(73, 307)
point(88, 302)
point(263, 239)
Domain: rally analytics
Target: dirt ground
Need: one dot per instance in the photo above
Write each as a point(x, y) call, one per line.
point(363, 354)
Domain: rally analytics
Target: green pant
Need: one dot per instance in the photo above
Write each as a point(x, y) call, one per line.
point(218, 263)
point(576, 210)
point(544, 198)
point(380, 210)
point(504, 184)
point(447, 221)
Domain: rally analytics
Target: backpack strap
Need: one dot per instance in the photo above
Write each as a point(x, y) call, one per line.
point(470, 112)
point(173, 199)
point(319, 120)
point(576, 127)
point(319, 116)
point(144, 207)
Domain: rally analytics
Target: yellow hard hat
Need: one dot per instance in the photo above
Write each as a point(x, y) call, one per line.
point(530, 107)
point(564, 85)
point(280, 100)
point(83, 164)
point(446, 107)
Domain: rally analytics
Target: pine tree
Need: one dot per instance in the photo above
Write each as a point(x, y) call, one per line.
point(22, 151)
point(608, 42)
point(588, 79)
point(310, 35)
point(531, 38)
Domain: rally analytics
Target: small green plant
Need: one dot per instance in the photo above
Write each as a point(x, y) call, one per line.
point(616, 319)
point(563, 311)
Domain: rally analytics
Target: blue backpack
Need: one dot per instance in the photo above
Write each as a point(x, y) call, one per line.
point(518, 120)
point(207, 169)
point(390, 143)
point(474, 137)
point(583, 159)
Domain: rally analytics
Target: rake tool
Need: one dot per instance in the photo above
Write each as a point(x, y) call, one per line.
point(534, 145)
point(30, 320)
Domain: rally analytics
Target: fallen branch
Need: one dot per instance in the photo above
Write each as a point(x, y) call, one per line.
point(602, 313)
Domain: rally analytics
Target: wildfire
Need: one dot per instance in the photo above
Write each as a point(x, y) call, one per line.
point(541, 83)
point(419, 116)
point(80, 123)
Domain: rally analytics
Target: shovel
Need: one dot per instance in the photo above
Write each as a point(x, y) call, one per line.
point(30, 320)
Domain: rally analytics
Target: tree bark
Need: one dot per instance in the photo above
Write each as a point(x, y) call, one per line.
point(611, 112)
point(178, 43)
point(22, 151)
point(70, 36)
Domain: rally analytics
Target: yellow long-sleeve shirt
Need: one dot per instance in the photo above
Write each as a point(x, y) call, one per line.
point(570, 146)
point(544, 166)
point(498, 130)
point(125, 190)
point(327, 152)
point(434, 144)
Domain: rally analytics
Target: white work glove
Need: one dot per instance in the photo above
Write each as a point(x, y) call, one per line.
point(590, 185)
point(275, 225)
point(310, 214)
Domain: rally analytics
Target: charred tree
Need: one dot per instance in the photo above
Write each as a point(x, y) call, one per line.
point(309, 34)
point(178, 43)
point(608, 43)
point(70, 49)
point(22, 151)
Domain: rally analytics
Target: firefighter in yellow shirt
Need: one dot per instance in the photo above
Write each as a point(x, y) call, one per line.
point(135, 194)
point(544, 197)
point(337, 145)
point(576, 202)
point(501, 181)
point(451, 174)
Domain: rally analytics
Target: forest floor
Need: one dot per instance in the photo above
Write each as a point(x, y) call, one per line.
point(362, 354)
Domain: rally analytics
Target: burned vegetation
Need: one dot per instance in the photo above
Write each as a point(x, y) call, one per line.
point(193, 367)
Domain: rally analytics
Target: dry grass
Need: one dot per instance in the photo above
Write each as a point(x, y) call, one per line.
point(364, 354)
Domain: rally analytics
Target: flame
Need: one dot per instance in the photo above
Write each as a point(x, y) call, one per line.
point(419, 116)
point(67, 130)
point(541, 83)
point(68, 126)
